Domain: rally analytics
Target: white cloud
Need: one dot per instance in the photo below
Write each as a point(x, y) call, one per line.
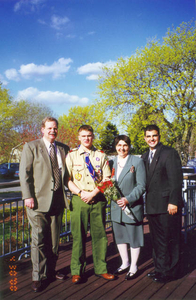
point(12, 74)
point(57, 69)
point(90, 68)
point(30, 5)
point(3, 81)
point(93, 70)
point(49, 97)
point(92, 77)
point(58, 22)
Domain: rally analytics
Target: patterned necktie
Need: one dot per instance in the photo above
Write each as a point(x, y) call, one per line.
point(151, 156)
point(55, 168)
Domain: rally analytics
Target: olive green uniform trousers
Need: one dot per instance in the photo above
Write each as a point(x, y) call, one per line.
point(81, 215)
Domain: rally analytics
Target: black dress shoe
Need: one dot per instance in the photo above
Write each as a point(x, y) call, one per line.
point(130, 275)
point(55, 275)
point(161, 278)
point(120, 270)
point(36, 286)
point(152, 274)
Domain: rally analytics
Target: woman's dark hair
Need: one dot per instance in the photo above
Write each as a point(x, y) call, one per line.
point(124, 138)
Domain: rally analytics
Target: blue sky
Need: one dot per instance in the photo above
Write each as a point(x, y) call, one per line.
point(52, 51)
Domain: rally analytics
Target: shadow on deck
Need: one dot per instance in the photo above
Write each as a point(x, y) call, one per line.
point(97, 288)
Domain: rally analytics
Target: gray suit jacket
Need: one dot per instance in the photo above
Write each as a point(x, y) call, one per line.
point(132, 186)
point(36, 176)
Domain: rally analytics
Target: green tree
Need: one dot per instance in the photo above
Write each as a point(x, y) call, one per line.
point(27, 118)
point(161, 77)
point(135, 128)
point(6, 133)
point(77, 116)
point(20, 122)
point(107, 136)
point(69, 124)
point(192, 151)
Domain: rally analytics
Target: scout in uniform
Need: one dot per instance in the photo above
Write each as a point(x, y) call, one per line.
point(87, 167)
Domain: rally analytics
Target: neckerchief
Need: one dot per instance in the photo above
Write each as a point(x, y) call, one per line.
point(89, 166)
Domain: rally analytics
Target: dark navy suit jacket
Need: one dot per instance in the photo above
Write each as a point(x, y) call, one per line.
point(164, 180)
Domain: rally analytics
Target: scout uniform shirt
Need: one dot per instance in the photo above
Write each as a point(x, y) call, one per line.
point(79, 172)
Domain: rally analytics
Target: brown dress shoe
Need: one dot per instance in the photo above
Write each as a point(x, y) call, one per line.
point(76, 279)
point(36, 286)
point(59, 276)
point(106, 276)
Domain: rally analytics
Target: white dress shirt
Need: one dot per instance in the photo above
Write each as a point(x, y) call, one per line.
point(47, 143)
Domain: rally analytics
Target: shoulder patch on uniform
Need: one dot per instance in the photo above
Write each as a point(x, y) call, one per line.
point(100, 151)
point(72, 150)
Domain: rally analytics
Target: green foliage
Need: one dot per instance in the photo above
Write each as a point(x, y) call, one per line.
point(143, 117)
point(160, 77)
point(27, 119)
point(106, 138)
point(14, 231)
point(18, 231)
point(77, 116)
point(69, 124)
point(20, 121)
point(6, 133)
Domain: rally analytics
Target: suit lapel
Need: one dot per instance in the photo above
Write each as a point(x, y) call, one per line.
point(115, 167)
point(152, 167)
point(45, 155)
point(62, 153)
point(125, 170)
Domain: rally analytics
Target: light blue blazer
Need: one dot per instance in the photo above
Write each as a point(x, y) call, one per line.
point(131, 183)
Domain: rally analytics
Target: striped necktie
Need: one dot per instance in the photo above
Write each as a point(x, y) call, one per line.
point(151, 156)
point(55, 167)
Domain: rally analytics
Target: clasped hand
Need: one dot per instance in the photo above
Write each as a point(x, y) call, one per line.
point(86, 196)
point(122, 203)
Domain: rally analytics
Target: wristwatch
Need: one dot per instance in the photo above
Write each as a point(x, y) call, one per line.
point(79, 193)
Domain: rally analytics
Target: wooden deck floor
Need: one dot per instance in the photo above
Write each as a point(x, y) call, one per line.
point(97, 288)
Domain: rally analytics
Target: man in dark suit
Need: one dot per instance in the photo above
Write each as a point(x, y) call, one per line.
point(163, 204)
point(42, 172)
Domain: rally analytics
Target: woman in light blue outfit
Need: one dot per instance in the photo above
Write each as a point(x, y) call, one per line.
point(127, 212)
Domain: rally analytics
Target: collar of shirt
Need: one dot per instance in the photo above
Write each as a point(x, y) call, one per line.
point(120, 165)
point(122, 161)
point(154, 150)
point(47, 144)
point(91, 151)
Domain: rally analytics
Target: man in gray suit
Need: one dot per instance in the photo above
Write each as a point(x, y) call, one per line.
point(42, 172)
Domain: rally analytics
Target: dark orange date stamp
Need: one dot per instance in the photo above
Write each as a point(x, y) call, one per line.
point(12, 272)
